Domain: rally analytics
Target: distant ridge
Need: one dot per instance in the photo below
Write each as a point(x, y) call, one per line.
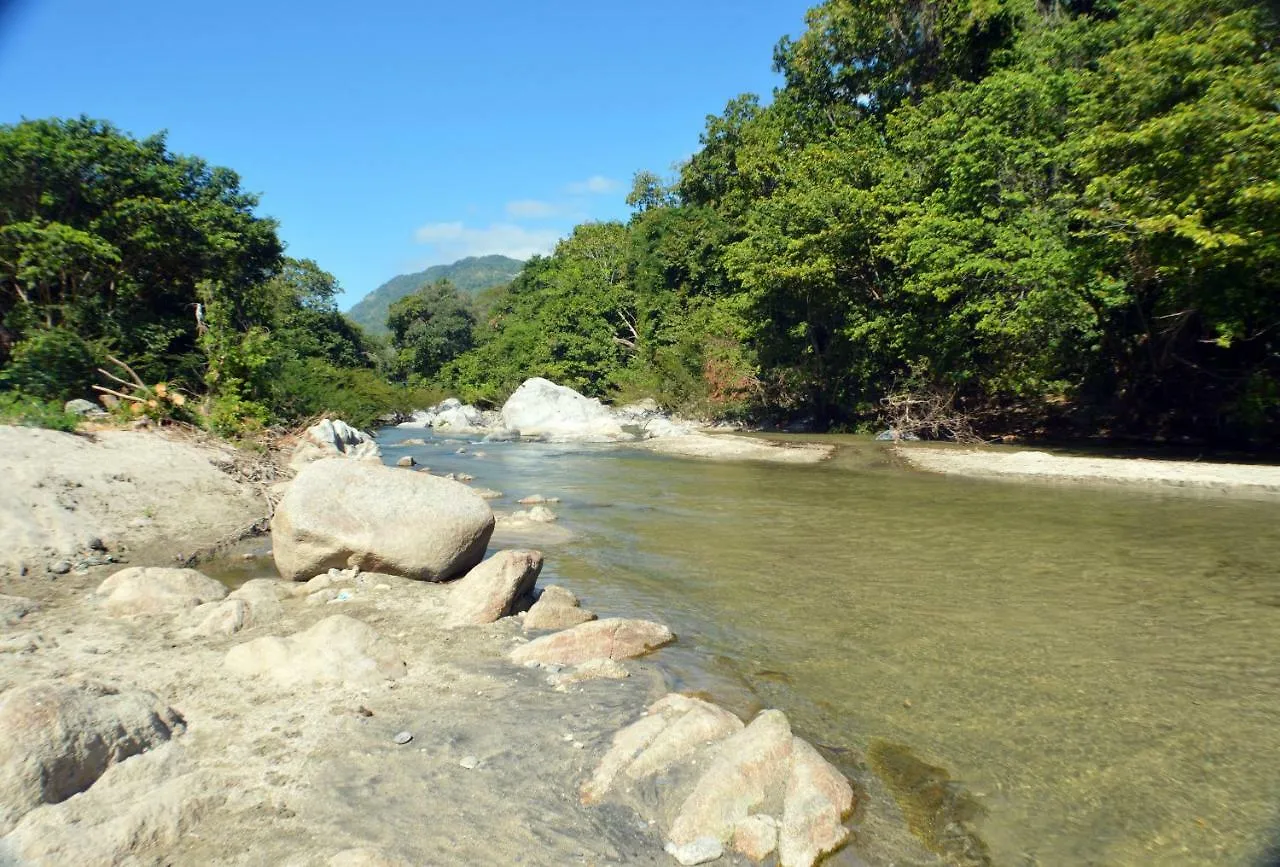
point(471, 274)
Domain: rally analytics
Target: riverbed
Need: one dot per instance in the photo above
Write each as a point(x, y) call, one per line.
point(1098, 670)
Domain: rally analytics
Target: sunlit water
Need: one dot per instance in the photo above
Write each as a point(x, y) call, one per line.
point(1099, 668)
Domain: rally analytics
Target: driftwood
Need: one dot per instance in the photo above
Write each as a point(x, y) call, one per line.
point(929, 413)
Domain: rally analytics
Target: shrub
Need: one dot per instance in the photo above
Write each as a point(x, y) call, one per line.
point(23, 409)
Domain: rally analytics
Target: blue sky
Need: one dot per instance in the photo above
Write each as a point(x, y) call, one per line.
point(389, 136)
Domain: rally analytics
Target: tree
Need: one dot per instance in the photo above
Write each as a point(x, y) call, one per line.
point(429, 329)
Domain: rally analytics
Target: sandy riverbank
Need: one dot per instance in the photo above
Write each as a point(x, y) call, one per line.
point(1013, 463)
point(260, 770)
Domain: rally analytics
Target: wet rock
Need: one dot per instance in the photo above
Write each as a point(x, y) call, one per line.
point(748, 775)
point(413, 441)
point(492, 590)
point(674, 729)
point(406, 461)
point(817, 799)
point(613, 638)
point(150, 590)
point(334, 438)
point(57, 739)
point(502, 435)
point(698, 851)
point(149, 802)
point(339, 513)
point(556, 608)
point(532, 500)
point(338, 649)
point(487, 493)
point(592, 669)
point(542, 408)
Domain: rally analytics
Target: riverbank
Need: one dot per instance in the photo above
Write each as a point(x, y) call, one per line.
point(1004, 462)
point(373, 731)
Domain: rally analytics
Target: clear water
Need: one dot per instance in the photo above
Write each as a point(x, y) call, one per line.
point(1099, 669)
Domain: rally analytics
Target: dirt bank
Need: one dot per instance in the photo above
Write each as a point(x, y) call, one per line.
point(1003, 462)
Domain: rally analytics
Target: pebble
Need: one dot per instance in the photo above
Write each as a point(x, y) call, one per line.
point(403, 738)
point(62, 567)
point(96, 544)
point(469, 762)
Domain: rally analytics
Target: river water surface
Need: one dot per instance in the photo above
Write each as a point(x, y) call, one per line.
point(1098, 668)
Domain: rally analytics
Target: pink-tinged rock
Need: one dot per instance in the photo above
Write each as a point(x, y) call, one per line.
point(491, 590)
point(556, 608)
point(673, 729)
point(748, 774)
point(613, 638)
point(817, 799)
point(756, 837)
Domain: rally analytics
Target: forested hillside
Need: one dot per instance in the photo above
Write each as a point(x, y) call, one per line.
point(470, 275)
point(994, 215)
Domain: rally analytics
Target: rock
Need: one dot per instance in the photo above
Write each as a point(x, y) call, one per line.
point(80, 406)
point(892, 436)
point(541, 515)
point(334, 438)
point(366, 858)
point(699, 851)
point(502, 435)
point(406, 461)
point(96, 544)
point(57, 739)
point(532, 500)
point(556, 608)
point(674, 729)
point(817, 799)
point(493, 589)
point(60, 567)
point(542, 408)
point(145, 804)
point(413, 441)
point(148, 590)
point(592, 669)
point(14, 608)
point(418, 419)
point(403, 738)
point(338, 649)
point(613, 638)
point(747, 775)
point(219, 618)
point(661, 426)
point(755, 836)
point(459, 419)
point(487, 493)
point(447, 404)
point(469, 762)
point(340, 513)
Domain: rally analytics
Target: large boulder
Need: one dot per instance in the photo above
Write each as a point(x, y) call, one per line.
point(57, 739)
point(158, 590)
point(337, 650)
point(459, 419)
point(340, 513)
point(492, 590)
point(613, 638)
point(334, 438)
point(541, 408)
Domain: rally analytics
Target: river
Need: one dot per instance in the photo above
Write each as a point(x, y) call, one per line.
point(1098, 670)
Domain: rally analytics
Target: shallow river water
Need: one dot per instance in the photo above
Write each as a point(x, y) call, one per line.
point(1098, 668)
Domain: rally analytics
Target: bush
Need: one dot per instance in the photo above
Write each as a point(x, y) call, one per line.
point(309, 387)
point(52, 364)
point(28, 411)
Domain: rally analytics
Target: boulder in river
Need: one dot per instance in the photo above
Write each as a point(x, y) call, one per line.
point(334, 438)
point(158, 590)
point(613, 638)
point(339, 513)
point(556, 608)
point(57, 739)
point(491, 590)
point(541, 408)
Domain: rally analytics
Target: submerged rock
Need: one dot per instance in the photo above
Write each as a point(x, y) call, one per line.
point(344, 513)
point(614, 638)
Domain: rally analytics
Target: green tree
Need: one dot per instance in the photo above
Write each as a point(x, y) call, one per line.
point(429, 328)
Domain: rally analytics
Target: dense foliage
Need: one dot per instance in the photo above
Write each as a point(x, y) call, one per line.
point(113, 246)
point(1039, 214)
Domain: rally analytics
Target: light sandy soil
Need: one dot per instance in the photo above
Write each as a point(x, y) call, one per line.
point(1003, 462)
point(129, 489)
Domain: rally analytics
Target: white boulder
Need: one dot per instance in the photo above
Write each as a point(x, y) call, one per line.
point(541, 408)
point(334, 438)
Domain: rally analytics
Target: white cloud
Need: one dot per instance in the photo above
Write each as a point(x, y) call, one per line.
point(452, 241)
point(532, 208)
point(594, 185)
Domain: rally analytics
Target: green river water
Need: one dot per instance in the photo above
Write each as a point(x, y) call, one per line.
point(1098, 670)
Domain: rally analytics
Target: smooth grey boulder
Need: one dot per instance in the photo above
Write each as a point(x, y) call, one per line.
point(493, 589)
point(57, 739)
point(341, 513)
point(539, 407)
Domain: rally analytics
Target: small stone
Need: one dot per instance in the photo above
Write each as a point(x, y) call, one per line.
point(461, 451)
point(401, 737)
point(700, 851)
point(96, 544)
point(469, 762)
point(61, 567)
point(906, 702)
point(406, 461)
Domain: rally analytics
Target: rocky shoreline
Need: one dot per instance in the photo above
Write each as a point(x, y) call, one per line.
point(357, 716)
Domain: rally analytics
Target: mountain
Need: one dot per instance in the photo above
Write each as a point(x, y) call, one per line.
point(471, 275)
